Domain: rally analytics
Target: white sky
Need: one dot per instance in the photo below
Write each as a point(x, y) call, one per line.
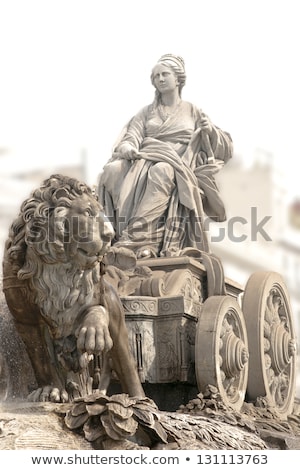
point(72, 72)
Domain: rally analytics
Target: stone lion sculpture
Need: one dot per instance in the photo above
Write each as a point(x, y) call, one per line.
point(69, 317)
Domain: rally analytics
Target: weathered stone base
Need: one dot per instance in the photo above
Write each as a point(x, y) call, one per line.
point(41, 426)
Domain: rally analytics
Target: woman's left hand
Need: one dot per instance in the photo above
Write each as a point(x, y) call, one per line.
point(206, 124)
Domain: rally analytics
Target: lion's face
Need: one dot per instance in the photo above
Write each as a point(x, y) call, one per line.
point(61, 223)
point(87, 232)
point(73, 231)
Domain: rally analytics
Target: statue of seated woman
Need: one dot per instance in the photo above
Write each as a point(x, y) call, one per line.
point(159, 186)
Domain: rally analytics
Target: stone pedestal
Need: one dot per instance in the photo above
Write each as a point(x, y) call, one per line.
point(162, 337)
point(162, 327)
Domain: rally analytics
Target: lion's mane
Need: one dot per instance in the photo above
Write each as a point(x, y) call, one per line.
point(36, 249)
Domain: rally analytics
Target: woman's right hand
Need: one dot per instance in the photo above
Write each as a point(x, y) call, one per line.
point(127, 151)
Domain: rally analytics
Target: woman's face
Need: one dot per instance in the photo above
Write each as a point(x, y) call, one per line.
point(164, 79)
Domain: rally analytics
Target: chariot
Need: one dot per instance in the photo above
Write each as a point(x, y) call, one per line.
point(186, 322)
point(242, 341)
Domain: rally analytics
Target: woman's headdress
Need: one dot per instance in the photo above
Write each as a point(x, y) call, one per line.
point(173, 61)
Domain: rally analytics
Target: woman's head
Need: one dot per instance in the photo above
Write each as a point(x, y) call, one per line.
point(176, 64)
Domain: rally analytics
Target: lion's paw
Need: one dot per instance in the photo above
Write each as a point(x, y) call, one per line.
point(48, 393)
point(93, 335)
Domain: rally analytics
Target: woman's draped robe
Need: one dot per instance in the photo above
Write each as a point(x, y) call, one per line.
point(166, 210)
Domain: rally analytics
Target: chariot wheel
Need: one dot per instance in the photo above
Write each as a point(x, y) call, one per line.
point(272, 343)
point(221, 350)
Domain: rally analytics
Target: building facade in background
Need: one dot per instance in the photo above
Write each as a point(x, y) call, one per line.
point(262, 231)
